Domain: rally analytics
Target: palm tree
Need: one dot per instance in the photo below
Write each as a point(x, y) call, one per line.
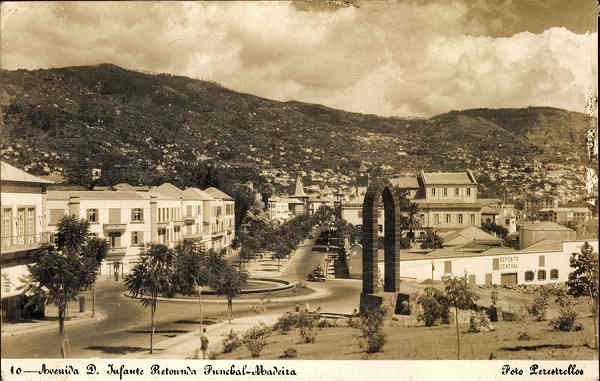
point(59, 274)
point(151, 277)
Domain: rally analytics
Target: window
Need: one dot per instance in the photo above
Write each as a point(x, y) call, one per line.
point(359, 213)
point(436, 219)
point(448, 218)
point(92, 215)
point(447, 267)
point(137, 238)
point(433, 191)
point(137, 215)
point(380, 228)
point(541, 261)
point(554, 274)
point(457, 192)
point(6, 227)
point(460, 218)
point(496, 264)
point(472, 219)
point(507, 222)
point(468, 192)
point(93, 235)
point(542, 275)
point(528, 276)
point(445, 192)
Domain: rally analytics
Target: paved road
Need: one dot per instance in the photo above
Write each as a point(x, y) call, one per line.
point(127, 327)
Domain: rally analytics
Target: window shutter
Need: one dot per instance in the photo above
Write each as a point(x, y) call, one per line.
point(114, 216)
point(447, 267)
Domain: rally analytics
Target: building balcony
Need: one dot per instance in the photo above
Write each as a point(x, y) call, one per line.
point(189, 220)
point(14, 244)
point(114, 227)
point(162, 225)
point(117, 251)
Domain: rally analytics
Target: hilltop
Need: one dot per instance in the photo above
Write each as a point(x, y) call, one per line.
point(108, 117)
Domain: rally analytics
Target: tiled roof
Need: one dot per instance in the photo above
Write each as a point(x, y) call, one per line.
point(94, 195)
point(10, 173)
point(544, 245)
point(545, 225)
point(469, 234)
point(446, 178)
point(405, 182)
point(167, 191)
point(488, 201)
point(214, 192)
point(195, 194)
point(574, 209)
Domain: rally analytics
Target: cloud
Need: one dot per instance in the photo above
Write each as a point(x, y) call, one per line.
point(386, 58)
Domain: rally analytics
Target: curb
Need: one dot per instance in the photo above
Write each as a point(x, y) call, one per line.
point(100, 316)
point(318, 293)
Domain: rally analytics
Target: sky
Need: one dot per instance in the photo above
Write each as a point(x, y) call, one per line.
point(390, 58)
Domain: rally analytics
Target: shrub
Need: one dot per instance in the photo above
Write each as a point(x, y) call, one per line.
point(352, 323)
point(540, 304)
point(231, 342)
point(566, 316)
point(286, 322)
point(474, 325)
point(289, 353)
point(431, 310)
point(305, 324)
point(255, 339)
point(523, 336)
point(371, 322)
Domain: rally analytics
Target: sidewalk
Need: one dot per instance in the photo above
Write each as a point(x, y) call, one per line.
point(50, 322)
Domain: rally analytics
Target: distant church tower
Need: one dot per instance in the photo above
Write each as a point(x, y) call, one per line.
point(300, 207)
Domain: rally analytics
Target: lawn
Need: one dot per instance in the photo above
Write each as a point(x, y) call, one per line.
point(436, 343)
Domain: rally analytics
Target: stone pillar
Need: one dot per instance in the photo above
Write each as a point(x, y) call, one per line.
point(153, 218)
point(74, 206)
point(391, 243)
point(370, 268)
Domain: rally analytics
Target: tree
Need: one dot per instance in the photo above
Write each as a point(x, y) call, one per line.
point(95, 251)
point(224, 279)
point(151, 277)
point(460, 297)
point(188, 272)
point(583, 281)
point(492, 227)
point(432, 241)
point(59, 273)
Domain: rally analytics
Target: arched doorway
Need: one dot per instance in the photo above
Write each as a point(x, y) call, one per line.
point(377, 192)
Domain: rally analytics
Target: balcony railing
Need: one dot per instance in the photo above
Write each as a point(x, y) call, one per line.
point(22, 242)
point(115, 227)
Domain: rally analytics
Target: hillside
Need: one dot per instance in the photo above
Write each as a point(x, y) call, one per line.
point(107, 117)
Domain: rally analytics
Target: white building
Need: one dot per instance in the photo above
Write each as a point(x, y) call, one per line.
point(122, 218)
point(545, 262)
point(222, 219)
point(23, 229)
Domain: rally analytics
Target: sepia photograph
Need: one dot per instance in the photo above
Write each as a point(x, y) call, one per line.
point(261, 182)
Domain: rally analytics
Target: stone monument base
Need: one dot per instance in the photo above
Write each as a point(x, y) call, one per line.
point(399, 303)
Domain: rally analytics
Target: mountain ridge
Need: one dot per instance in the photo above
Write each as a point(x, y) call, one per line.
point(104, 114)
